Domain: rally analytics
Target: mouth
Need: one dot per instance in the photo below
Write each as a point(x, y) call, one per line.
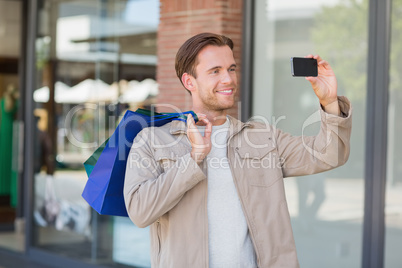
point(227, 91)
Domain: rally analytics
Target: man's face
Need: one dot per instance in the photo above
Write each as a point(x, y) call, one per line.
point(216, 82)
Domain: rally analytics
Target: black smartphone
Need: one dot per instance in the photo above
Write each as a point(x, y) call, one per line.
point(304, 66)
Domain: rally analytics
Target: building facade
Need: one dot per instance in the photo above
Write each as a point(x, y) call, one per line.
point(70, 69)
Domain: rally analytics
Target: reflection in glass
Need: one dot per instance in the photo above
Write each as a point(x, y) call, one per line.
point(11, 212)
point(95, 60)
point(326, 209)
point(393, 206)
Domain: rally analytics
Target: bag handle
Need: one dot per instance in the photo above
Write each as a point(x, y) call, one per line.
point(180, 116)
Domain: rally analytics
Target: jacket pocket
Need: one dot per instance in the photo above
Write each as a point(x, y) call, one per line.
point(168, 157)
point(262, 165)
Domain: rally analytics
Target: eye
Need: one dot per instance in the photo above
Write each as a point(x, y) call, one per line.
point(215, 71)
point(232, 69)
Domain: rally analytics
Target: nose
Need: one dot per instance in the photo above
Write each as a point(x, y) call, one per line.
point(227, 77)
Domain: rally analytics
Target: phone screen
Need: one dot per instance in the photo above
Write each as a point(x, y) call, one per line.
point(304, 66)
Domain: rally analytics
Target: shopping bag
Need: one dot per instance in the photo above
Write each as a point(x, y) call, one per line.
point(106, 167)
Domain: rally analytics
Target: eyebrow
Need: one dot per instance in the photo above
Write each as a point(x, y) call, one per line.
point(219, 67)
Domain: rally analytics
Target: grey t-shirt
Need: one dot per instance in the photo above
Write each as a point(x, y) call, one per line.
point(229, 240)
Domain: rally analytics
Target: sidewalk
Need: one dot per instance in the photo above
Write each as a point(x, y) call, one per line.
point(10, 260)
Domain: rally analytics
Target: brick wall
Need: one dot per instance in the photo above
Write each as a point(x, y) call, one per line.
point(181, 19)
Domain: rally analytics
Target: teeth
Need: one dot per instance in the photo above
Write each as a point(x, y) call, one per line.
point(226, 91)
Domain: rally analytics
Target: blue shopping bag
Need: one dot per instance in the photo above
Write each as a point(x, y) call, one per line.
point(106, 167)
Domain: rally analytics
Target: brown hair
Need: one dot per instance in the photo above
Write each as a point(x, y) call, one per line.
point(186, 57)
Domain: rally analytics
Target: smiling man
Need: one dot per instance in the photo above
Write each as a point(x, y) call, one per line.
point(213, 192)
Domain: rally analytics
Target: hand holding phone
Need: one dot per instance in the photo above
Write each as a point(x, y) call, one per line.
point(304, 66)
point(324, 85)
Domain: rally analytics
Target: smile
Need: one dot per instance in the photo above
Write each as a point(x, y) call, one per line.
point(226, 91)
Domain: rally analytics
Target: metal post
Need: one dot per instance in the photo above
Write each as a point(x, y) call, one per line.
point(247, 59)
point(376, 129)
point(29, 141)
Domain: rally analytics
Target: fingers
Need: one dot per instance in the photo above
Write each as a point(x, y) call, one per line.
point(317, 57)
point(190, 127)
point(198, 142)
point(208, 129)
point(311, 78)
point(201, 116)
point(193, 133)
point(320, 61)
point(190, 121)
point(190, 118)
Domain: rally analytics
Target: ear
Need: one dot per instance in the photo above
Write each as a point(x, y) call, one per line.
point(188, 81)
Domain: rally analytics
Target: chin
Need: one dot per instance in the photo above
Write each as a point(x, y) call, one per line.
point(226, 107)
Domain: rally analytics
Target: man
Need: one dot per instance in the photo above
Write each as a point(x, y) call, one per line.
point(216, 199)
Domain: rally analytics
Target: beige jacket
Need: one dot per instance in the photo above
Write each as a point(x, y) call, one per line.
point(166, 189)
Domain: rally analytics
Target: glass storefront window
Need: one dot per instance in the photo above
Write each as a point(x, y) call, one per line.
point(11, 213)
point(393, 205)
point(326, 209)
point(95, 60)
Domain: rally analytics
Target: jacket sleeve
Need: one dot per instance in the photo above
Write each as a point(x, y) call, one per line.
point(150, 192)
point(304, 155)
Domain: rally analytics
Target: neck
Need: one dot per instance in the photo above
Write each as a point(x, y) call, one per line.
point(217, 118)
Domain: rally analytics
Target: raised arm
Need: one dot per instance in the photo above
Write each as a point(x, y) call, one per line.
point(304, 155)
